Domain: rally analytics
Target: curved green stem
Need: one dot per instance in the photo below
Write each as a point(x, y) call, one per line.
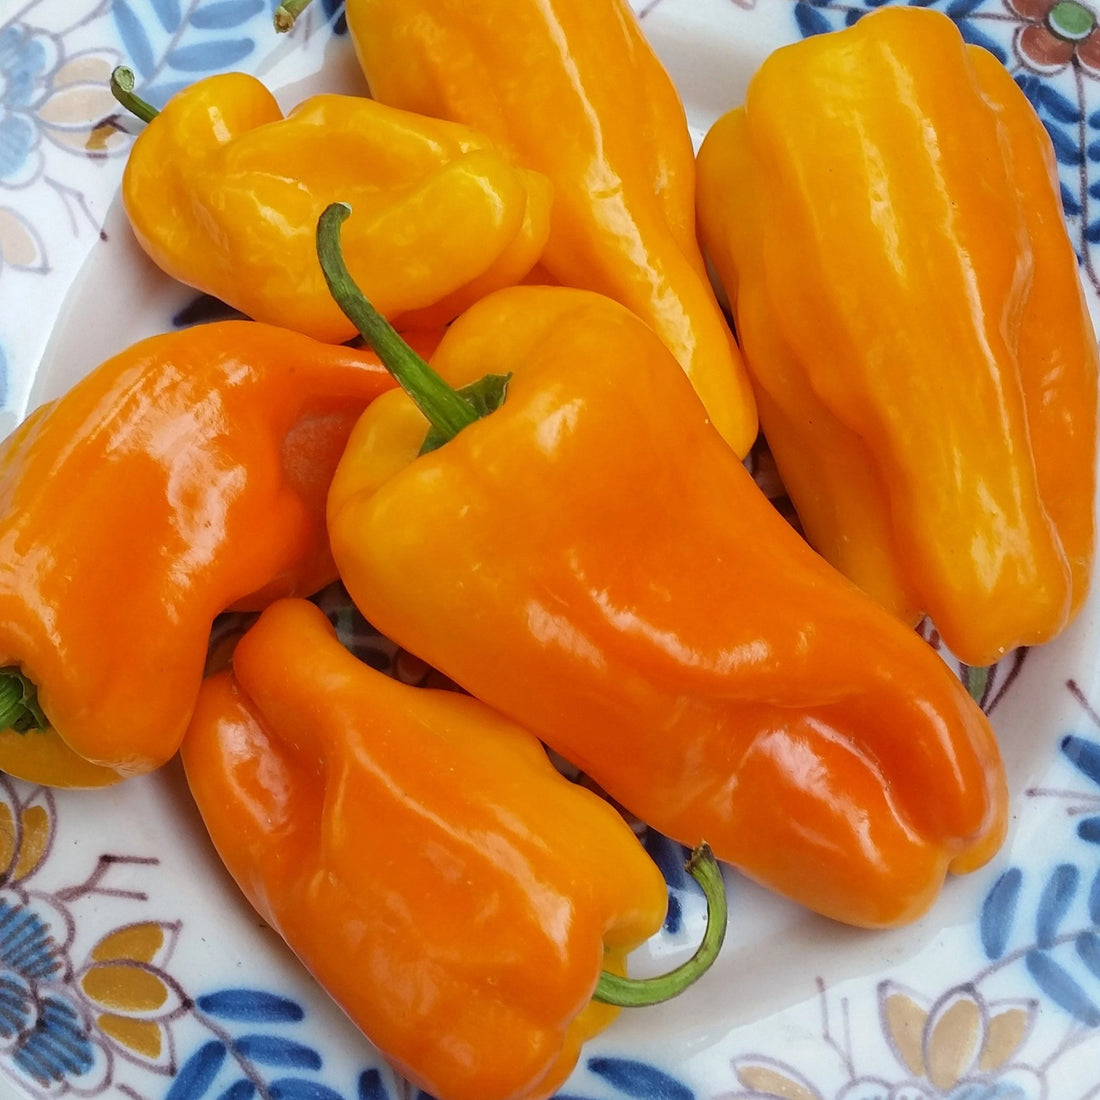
point(19, 709)
point(614, 989)
point(287, 12)
point(122, 88)
point(447, 410)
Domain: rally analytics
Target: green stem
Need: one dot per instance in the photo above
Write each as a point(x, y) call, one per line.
point(19, 709)
point(444, 407)
point(122, 88)
point(613, 989)
point(287, 12)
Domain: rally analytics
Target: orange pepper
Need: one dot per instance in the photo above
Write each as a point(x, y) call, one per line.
point(184, 476)
point(576, 93)
point(884, 213)
point(452, 891)
point(223, 193)
point(593, 561)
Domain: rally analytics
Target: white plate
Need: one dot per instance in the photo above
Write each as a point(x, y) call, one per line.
point(996, 994)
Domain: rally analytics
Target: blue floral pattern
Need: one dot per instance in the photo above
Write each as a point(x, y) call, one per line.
point(26, 59)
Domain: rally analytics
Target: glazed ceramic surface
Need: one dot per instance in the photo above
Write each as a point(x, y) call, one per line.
point(129, 965)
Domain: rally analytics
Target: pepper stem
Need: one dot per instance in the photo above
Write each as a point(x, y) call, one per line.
point(613, 989)
point(19, 709)
point(122, 88)
point(446, 410)
point(287, 12)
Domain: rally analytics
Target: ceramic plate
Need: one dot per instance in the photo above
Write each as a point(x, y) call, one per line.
point(130, 967)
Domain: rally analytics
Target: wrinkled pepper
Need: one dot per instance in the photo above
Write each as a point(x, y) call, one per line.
point(884, 213)
point(182, 477)
point(448, 887)
point(593, 561)
point(224, 193)
point(573, 89)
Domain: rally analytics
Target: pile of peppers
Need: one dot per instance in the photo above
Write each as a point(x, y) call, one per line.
point(531, 478)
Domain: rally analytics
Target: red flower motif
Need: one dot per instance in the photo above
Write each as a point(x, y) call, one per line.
point(1057, 33)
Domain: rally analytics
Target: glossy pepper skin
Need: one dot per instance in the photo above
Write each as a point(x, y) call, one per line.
point(223, 193)
point(593, 561)
point(884, 213)
point(451, 890)
point(187, 474)
point(616, 148)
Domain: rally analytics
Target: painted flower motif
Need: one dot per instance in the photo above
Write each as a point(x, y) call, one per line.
point(27, 58)
point(1057, 33)
point(44, 94)
point(131, 996)
point(961, 1047)
point(45, 1036)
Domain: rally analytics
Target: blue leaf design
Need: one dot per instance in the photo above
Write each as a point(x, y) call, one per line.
point(1058, 894)
point(669, 856)
point(1031, 86)
point(273, 1050)
point(1082, 753)
point(853, 17)
point(197, 1074)
point(1088, 950)
point(1066, 148)
point(1060, 107)
point(995, 1090)
point(1070, 205)
point(208, 57)
point(1088, 828)
point(297, 1088)
point(371, 1087)
point(958, 9)
point(335, 8)
point(1094, 900)
point(225, 14)
point(159, 94)
point(250, 1006)
point(999, 911)
point(134, 39)
point(168, 12)
point(809, 20)
point(639, 1079)
point(1057, 983)
point(1092, 233)
point(241, 1090)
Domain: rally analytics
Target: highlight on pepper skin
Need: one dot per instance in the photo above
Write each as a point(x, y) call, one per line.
point(908, 302)
point(182, 477)
point(646, 700)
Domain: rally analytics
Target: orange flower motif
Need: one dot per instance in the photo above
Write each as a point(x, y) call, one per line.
point(132, 997)
point(961, 1047)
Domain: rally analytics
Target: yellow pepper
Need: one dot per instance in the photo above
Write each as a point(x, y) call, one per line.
point(574, 91)
point(884, 214)
point(224, 193)
point(454, 893)
point(591, 560)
